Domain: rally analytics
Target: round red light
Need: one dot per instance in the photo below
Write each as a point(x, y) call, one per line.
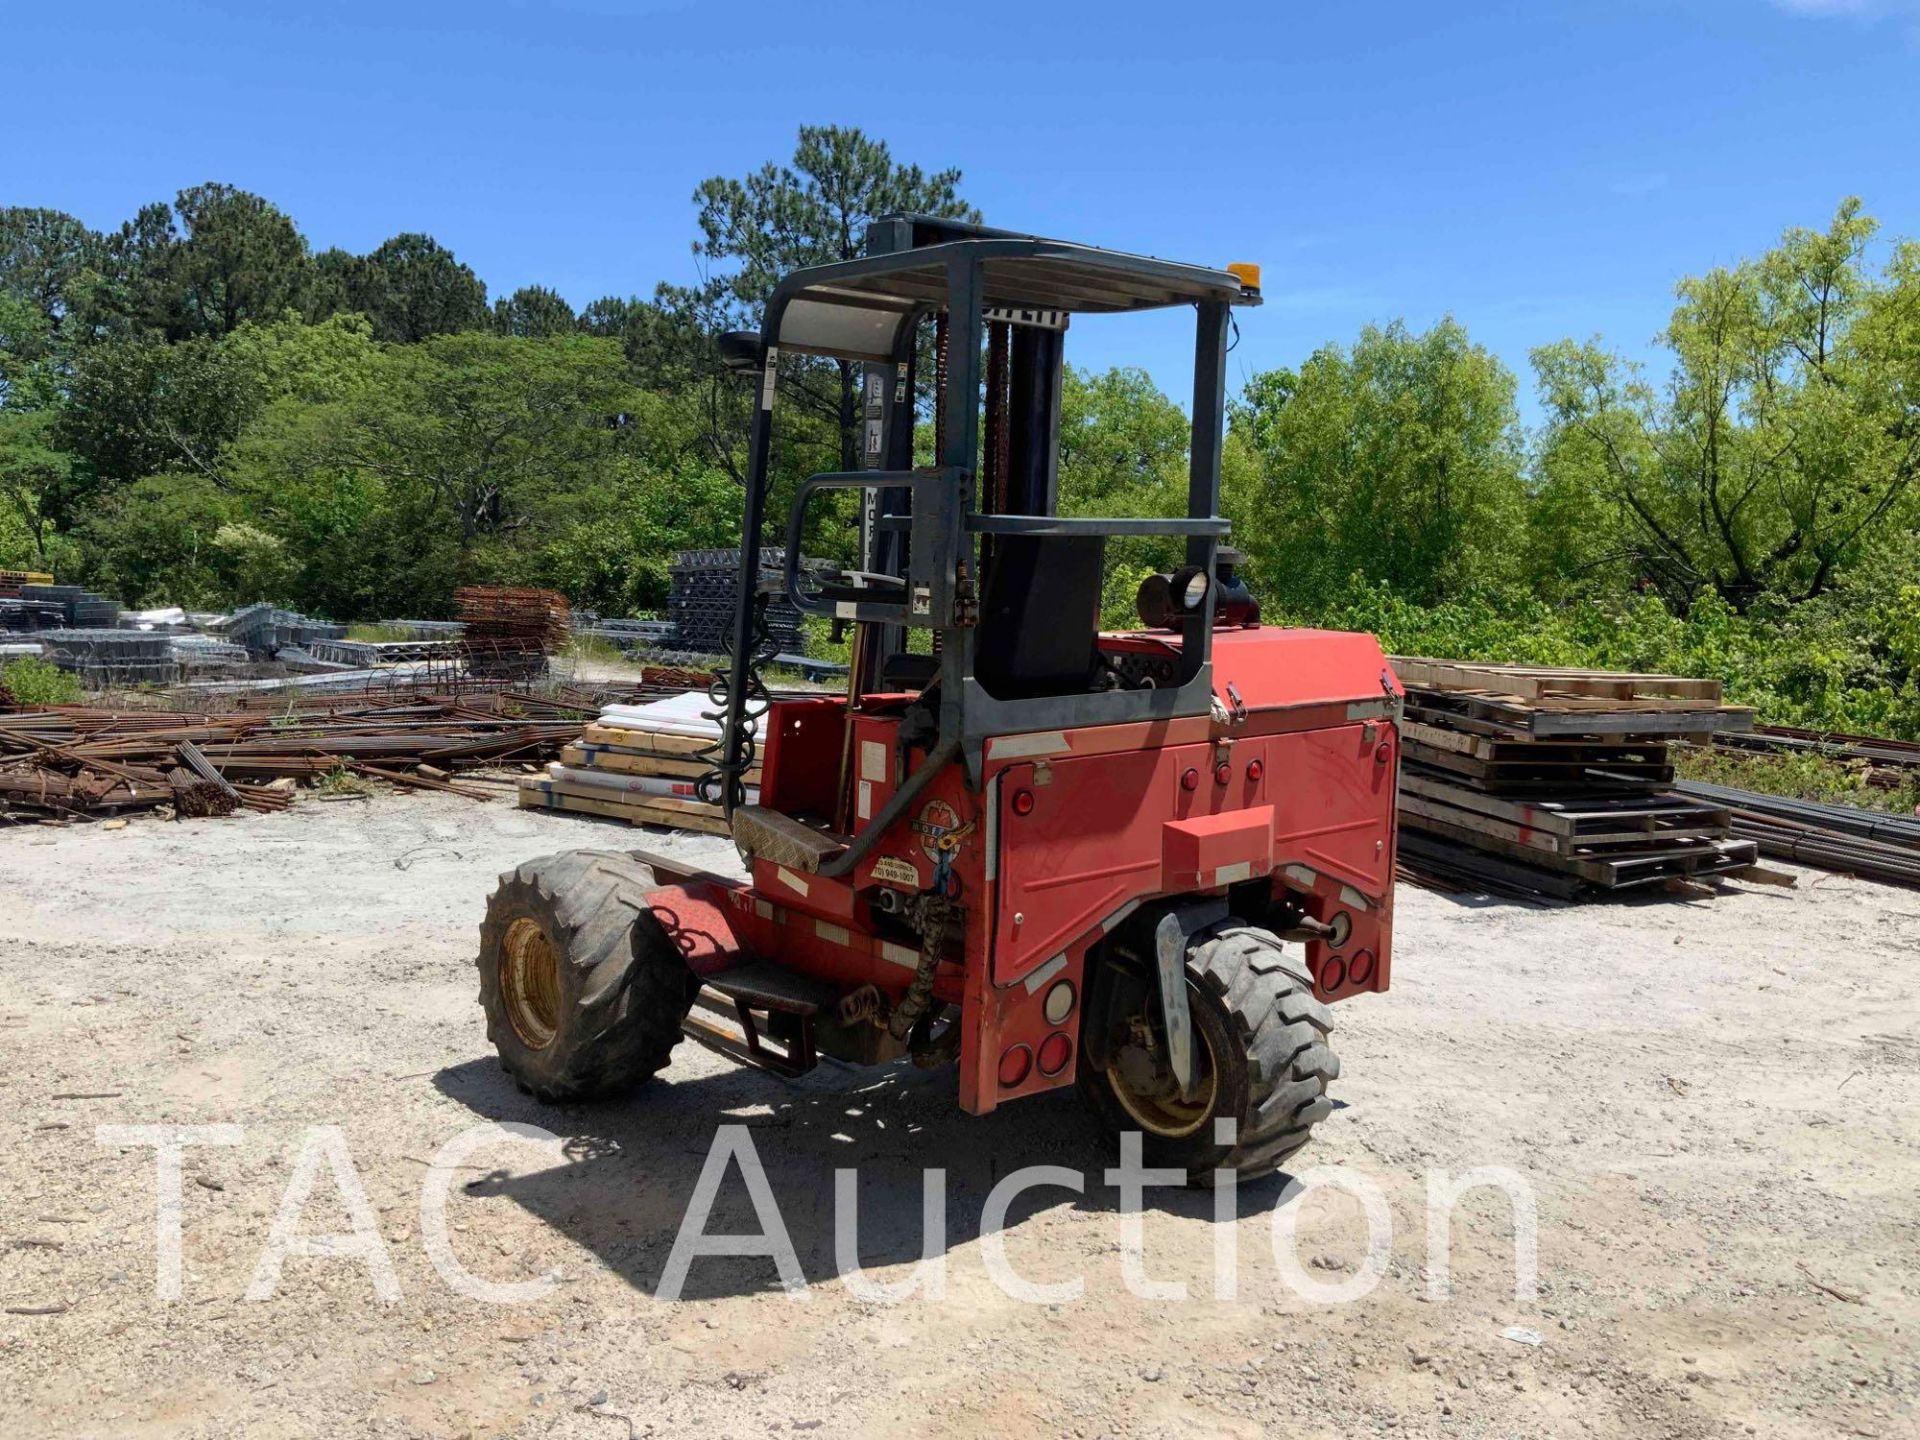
point(1333, 974)
point(1255, 770)
point(1023, 802)
point(1190, 780)
point(1222, 773)
point(1055, 1051)
point(1361, 970)
point(1014, 1066)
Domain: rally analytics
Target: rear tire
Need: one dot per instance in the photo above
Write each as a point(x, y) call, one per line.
point(582, 989)
point(1263, 1053)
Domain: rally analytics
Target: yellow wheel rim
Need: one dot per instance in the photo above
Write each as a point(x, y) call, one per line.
point(530, 984)
point(1171, 1118)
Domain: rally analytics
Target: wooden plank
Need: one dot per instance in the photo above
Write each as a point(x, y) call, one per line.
point(1476, 710)
point(564, 785)
point(1513, 720)
point(1607, 873)
point(655, 810)
point(1436, 737)
point(1488, 747)
point(647, 742)
point(1596, 843)
point(1458, 719)
point(1547, 765)
point(1473, 823)
point(1542, 816)
point(1462, 865)
point(1572, 816)
point(1689, 722)
point(1593, 845)
point(1439, 824)
point(1549, 685)
point(623, 762)
point(1635, 869)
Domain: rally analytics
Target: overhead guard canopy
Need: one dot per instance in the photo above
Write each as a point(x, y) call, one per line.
point(862, 309)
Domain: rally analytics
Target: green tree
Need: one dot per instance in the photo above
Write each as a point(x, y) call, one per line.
point(1123, 452)
point(440, 466)
point(48, 259)
point(783, 217)
point(413, 287)
point(218, 258)
point(1398, 462)
point(138, 407)
point(32, 470)
point(152, 542)
point(336, 284)
point(1788, 432)
point(533, 312)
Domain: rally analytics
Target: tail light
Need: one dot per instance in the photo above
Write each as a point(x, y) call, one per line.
point(1014, 1066)
point(1055, 1051)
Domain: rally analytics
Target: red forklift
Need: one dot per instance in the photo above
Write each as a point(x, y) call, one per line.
point(1141, 863)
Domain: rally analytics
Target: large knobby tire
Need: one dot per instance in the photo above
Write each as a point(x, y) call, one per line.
point(583, 991)
point(1262, 1052)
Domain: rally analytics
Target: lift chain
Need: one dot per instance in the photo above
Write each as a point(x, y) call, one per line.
point(732, 757)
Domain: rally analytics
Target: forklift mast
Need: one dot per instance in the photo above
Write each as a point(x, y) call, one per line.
point(1024, 445)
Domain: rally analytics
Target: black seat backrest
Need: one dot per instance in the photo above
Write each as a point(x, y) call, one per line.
point(1040, 615)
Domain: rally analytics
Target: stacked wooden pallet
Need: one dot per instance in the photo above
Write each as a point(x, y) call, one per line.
point(1557, 781)
point(639, 763)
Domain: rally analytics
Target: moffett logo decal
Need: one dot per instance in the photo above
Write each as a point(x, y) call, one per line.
point(940, 831)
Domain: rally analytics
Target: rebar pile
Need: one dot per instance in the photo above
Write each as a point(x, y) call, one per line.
point(511, 631)
point(1875, 750)
point(1830, 837)
point(73, 759)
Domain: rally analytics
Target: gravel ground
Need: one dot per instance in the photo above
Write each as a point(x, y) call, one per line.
point(1716, 1105)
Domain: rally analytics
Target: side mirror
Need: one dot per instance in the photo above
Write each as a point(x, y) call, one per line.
point(742, 352)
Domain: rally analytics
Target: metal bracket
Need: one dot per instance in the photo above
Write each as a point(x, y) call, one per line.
point(1170, 938)
point(1396, 702)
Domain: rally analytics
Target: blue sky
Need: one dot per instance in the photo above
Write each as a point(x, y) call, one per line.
point(1537, 170)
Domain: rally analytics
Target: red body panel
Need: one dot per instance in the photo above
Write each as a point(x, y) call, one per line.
point(1074, 829)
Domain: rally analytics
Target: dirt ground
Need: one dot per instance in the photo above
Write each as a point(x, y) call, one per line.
point(1716, 1106)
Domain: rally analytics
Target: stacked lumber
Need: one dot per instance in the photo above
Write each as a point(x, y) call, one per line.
point(641, 763)
point(12, 580)
point(1557, 782)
